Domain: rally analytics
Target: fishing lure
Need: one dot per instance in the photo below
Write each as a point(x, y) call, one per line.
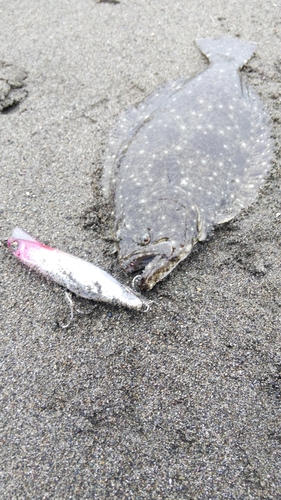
point(81, 277)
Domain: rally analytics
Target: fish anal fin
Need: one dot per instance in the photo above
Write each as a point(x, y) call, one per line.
point(246, 185)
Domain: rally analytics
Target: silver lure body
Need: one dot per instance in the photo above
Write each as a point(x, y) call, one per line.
point(77, 275)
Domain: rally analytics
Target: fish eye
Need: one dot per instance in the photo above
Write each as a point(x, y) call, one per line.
point(142, 239)
point(146, 240)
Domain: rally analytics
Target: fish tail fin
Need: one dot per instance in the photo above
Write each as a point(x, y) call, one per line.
point(227, 48)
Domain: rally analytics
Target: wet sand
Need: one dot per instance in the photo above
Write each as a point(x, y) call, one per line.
point(182, 402)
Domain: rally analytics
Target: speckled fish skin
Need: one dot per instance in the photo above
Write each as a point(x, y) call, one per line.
point(190, 157)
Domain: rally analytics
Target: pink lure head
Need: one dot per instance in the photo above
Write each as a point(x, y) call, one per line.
point(21, 245)
point(20, 248)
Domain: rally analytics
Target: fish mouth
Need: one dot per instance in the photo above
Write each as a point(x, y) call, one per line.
point(139, 263)
point(155, 264)
point(140, 259)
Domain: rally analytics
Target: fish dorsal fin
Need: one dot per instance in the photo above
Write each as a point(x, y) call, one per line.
point(227, 48)
point(128, 125)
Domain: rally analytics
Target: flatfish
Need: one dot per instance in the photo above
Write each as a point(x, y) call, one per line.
point(191, 156)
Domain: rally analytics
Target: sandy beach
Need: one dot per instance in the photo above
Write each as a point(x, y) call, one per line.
point(180, 402)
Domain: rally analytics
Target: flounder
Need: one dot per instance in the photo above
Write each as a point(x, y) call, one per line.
point(191, 156)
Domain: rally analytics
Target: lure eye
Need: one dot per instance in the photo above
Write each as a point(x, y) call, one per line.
point(14, 246)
